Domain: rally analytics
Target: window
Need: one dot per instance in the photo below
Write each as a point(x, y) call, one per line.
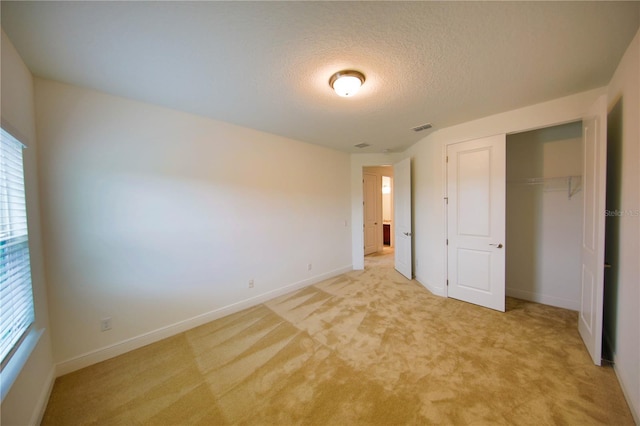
point(16, 296)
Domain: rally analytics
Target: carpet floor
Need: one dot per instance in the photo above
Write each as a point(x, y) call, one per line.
point(365, 348)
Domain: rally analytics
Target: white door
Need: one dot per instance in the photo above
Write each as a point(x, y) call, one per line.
point(594, 151)
point(476, 186)
point(370, 207)
point(402, 217)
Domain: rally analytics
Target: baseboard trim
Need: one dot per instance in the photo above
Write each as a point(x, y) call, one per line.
point(43, 399)
point(559, 302)
point(437, 291)
point(111, 351)
point(632, 408)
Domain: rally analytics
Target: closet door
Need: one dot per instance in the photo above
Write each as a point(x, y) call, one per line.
point(476, 193)
point(594, 146)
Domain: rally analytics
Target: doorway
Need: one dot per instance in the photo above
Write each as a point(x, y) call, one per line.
point(544, 206)
point(400, 216)
point(533, 250)
point(378, 223)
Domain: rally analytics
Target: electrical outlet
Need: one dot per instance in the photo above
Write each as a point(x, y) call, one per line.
point(251, 283)
point(105, 324)
point(309, 267)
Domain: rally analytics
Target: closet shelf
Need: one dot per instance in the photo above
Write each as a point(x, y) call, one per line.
point(571, 184)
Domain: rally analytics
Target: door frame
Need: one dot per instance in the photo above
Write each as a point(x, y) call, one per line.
point(358, 163)
point(445, 233)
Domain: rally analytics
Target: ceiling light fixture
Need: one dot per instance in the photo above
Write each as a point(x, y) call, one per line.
point(346, 83)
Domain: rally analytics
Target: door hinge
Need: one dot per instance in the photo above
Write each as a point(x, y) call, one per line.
point(447, 283)
point(447, 241)
point(446, 199)
point(447, 160)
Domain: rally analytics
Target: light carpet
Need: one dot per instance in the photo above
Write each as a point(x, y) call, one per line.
point(365, 348)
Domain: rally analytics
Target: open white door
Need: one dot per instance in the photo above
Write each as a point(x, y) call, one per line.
point(402, 216)
point(476, 193)
point(594, 151)
point(371, 192)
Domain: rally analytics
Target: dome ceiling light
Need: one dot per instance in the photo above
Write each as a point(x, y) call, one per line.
point(346, 83)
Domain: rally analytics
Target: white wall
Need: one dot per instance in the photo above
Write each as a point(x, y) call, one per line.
point(544, 225)
point(387, 198)
point(159, 219)
point(428, 173)
point(625, 87)
point(26, 400)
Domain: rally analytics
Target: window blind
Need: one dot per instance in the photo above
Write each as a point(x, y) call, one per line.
point(16, 296)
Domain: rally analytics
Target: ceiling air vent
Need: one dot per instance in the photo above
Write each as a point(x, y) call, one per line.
point(422, 127)
point(362, 145)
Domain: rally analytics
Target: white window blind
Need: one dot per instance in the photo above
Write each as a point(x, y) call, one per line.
point(16, 297)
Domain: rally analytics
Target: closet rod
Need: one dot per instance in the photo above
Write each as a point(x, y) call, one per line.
point(574, 183)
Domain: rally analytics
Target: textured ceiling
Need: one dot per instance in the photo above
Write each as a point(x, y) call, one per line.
point(266, 65)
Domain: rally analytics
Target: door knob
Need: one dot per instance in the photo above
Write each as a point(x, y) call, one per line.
point(499, 245)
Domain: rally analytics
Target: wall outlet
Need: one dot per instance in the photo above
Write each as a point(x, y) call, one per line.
point(309, 267)
point(105, 324)
point(251, 283)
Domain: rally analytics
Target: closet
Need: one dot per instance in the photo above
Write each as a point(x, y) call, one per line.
point(544, 213)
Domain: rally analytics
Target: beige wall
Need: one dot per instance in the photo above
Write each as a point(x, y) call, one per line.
point(544, 225)
point(623, 312)
point(25, 402)
point(159, 219)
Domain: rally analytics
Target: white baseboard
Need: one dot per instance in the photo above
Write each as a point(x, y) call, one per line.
point(107, 352)
point(437, 291)
point(559, 302)
point(632, 407)
point(43, 399)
